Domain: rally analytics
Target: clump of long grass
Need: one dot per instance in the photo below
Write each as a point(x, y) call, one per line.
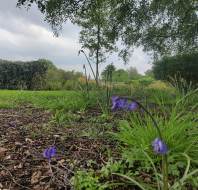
point(178, 126)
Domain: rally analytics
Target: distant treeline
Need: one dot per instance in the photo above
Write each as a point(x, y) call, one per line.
point(183, 66)
point(34, 75)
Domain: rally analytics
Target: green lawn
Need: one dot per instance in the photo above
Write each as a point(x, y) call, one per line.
point(68, 100)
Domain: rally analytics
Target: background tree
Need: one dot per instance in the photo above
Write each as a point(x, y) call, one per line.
point(94, 30)
point(181, 66)
point(23, 75)
point(133, 73)
point(35, 75)
point(149, 73)
point(108, 69)
point(121, 75)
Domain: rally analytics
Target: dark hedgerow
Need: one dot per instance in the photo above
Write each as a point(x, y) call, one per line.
point(23, 75)
point(180, 66)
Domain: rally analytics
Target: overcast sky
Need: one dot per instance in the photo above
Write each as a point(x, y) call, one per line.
point(25, 36)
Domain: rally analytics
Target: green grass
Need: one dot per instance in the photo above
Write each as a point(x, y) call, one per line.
point(67, 100)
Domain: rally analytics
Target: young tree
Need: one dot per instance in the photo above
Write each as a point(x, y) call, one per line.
point(108, 69)
point(94, 31)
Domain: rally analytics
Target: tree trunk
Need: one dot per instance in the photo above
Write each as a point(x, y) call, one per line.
point(97, 54)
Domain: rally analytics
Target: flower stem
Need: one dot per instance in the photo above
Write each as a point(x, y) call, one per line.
point(165, 171)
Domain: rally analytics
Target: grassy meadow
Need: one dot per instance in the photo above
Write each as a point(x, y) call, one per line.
point(68, 100)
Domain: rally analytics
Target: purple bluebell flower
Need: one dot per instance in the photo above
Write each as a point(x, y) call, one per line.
point(159, 146)
point(118, 103)
point(114, 102)
point(122, 104)
point(132, 106)
point(49, 152)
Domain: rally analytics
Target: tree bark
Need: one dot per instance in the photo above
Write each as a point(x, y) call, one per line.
point(97, 54)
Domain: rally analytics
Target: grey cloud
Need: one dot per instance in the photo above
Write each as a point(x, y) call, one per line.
point(25, 36)
point(10, 14)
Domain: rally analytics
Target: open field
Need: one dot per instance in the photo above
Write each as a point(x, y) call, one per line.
point(69, 100)
point(96, 149)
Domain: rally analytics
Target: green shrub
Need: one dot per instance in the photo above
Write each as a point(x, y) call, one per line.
point(36, 75)
point(23, 75)
point(142, 82)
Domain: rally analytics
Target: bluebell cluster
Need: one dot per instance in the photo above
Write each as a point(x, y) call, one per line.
point(119, 103)
point(49, 152)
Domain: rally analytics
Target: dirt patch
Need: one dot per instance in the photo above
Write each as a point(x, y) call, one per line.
point(25, 133)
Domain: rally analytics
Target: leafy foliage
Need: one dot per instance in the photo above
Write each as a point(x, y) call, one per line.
point(181, 66)
point(57, 79)
point(23, 75)
point(35, 75)
point(176, 125)
point(87, 180)
point(121, 75)
point(160, 26)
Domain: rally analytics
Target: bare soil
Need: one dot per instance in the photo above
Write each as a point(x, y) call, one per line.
point(25, 132)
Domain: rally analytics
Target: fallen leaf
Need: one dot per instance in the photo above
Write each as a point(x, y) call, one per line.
point(3, 174)
point(36, 187)
point(35, 177)
point(2, 152)
point(28, 140)
point(18, 144)
point(61, 161)
point(7, 157)
point(18, 166)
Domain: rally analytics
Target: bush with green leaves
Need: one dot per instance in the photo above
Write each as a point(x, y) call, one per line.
point(36, 75)
point(180, 66)
point(121, 75)
point(58, 79)
point(23, 75)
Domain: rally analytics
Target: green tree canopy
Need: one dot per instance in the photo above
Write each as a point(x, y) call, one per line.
point(108, 69)
point(34, 75)
point(160, 26)
point(181, 66)
point(23, 75)
point(121, 75)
